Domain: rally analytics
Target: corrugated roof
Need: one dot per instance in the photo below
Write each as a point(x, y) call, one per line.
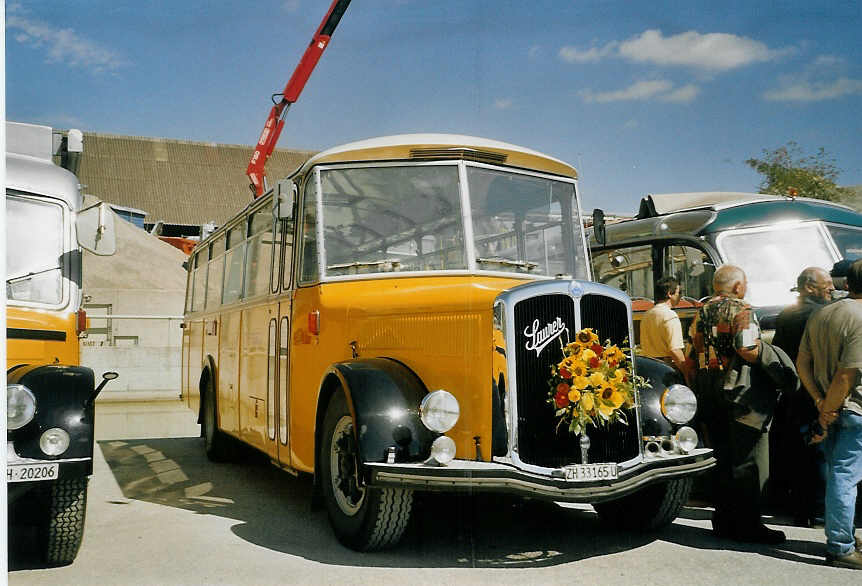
point(175, 181)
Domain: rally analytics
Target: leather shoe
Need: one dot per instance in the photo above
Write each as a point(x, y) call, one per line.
point(760, 534)
point(852, 560)
point(858, 543)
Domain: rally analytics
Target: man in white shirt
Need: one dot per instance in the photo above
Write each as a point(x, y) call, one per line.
point(661, 330)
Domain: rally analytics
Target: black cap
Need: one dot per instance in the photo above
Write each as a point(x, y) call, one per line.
point(840, 268)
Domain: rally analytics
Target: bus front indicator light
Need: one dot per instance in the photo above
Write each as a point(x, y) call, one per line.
point(54, 441)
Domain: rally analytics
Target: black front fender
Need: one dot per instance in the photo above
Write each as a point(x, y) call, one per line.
point(384, 397)
point(660, 377)
point(63, 399)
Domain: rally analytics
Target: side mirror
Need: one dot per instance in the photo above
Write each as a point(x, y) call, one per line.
point(599, 231)
point(95, 228)
point(284, 199)
point(106, 378)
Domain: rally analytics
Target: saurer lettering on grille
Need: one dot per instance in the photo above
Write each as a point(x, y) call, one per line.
point(538, 338)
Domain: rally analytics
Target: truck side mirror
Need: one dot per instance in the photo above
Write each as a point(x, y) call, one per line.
point(95, 228)
point(599, 226)
point(284, 199)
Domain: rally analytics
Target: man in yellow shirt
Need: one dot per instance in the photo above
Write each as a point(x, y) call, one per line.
point(661, 330)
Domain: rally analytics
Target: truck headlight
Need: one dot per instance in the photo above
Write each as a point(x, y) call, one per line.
point(20, 406)
point(678, 404)
point(54, 441)
point(439, 411)
point(686, 439)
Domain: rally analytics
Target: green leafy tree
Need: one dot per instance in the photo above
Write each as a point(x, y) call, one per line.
point(788, 171)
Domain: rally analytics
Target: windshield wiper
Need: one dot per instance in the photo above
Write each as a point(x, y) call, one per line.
point(522, 264)
point(11, 280)
point(388, 263)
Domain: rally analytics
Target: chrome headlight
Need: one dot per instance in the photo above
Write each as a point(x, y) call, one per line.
point(439, 411)
point(443, 450)
point(20, 406)
point(54, 441)
point(678, 404)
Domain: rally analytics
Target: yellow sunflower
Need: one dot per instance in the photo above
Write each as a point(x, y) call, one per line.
point(588, 400)
point(587, 355)
point(574, 395)
point(587, 337)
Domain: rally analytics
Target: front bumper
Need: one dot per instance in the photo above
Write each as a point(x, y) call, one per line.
point(66, 468)
point(502, 476)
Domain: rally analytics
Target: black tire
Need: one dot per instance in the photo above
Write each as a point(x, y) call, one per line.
point(62, 529)
point(649, 509)
point(216, 443)
point(363, 518)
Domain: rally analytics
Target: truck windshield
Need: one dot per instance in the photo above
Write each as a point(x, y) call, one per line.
point(773, 258)
point(409, 218)
point(34, 250)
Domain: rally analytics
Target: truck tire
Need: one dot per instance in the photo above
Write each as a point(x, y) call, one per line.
point(651, 508)
point(363, 518)
point(216, 443)
point(62, 529)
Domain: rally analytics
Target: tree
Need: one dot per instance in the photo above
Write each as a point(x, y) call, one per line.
point(787, 171)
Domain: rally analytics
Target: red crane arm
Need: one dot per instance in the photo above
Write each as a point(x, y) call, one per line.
point(275, 121)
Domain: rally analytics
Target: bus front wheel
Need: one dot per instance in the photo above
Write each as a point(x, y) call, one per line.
point(363, 518)
point(62, 526)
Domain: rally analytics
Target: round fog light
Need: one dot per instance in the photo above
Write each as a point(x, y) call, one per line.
point(439, 411)
point(54, 441)
point(686, 439)
point(443, 450)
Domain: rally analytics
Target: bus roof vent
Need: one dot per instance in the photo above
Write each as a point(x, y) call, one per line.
point(458, 153)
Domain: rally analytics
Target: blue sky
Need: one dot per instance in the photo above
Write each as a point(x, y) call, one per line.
point(641, 97)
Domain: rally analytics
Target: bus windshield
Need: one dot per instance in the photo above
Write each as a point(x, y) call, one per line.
point(411, 218)
point(773, 258)
point(34, 250)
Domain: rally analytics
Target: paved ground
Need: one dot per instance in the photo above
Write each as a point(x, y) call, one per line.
point(160, 513)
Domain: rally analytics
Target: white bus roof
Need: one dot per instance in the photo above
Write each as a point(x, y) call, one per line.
point(440, 146)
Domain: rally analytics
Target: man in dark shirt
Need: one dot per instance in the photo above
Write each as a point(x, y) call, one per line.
point(796, 477)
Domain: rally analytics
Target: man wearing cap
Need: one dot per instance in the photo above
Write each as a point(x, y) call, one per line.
point(794, 465)
point(830, 367)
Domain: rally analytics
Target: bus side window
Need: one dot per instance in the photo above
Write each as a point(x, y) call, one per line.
point(234, 258)
point(288, 228)
point(257, 263)
point(627, 269)
point(216, 270)
point(199, 282)
point(309, 261)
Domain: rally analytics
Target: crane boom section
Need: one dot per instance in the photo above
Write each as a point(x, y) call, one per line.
point(275, 121)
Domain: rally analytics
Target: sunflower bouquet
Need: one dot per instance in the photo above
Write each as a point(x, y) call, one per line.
point(593, 384)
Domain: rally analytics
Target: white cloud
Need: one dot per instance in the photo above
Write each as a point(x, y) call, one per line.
point(639, 91)
point(573, 55)
point(290, 5)
point(631, 123)
point(711, 51)
point(534, 51)
point(502, 103)
point(682, 95)
point(807, 90)
point(62, 45)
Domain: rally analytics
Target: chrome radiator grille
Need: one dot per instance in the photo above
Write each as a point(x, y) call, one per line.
point(540, 443)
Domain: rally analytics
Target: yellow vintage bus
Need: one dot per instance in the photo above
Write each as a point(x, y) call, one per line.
point(386, 319)
point(49, 396)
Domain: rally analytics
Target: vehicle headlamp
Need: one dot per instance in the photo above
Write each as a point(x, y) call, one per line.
point(443, 450)
point(20, 406)
point(54, 441)
point(439, 411)
point(686, 439)
point(678, 404)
